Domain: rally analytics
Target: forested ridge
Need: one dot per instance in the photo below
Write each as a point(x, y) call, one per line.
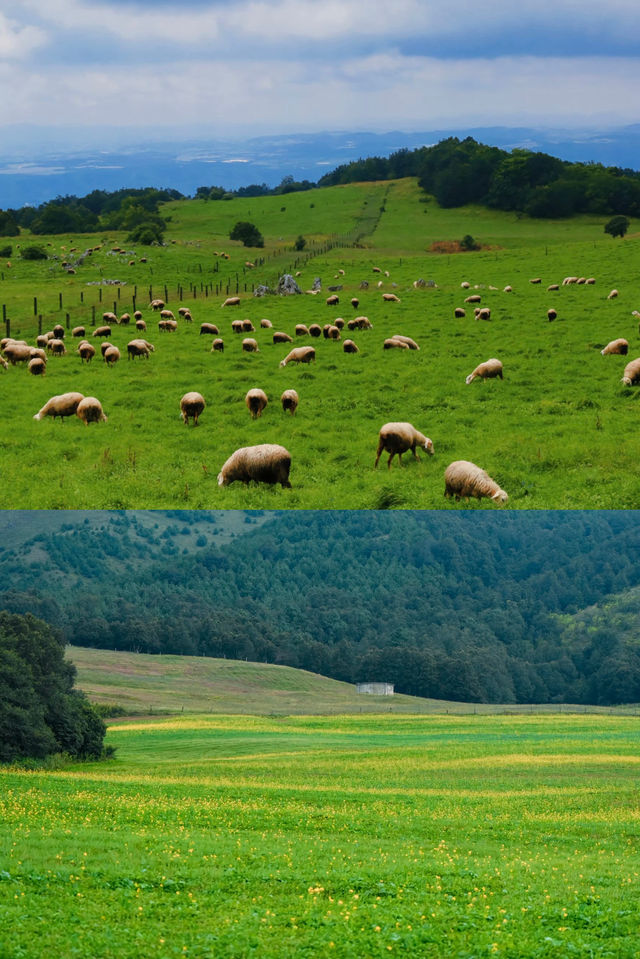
point(529, 608)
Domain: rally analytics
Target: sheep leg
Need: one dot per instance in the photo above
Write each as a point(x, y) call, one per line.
point(380, 449)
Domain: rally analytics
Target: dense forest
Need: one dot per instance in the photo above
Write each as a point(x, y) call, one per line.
point(453, 171)
point(528, 607)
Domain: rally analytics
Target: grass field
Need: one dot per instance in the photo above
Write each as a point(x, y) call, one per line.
point(357, 836)
point(559, 431)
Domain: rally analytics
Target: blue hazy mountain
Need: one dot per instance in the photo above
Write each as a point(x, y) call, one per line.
point(39, 164)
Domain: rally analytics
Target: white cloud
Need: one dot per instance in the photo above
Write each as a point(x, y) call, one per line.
point(18, 41)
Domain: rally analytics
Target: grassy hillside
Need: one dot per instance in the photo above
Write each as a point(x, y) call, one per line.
point(556, 433)
point(211, 836)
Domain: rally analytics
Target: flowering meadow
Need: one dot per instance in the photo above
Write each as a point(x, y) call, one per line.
point(352, 836)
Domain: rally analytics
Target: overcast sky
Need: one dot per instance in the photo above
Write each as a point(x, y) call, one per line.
point(238, 67)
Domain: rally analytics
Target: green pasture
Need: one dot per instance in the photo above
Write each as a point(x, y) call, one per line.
point(560, 431)
point(350, 836)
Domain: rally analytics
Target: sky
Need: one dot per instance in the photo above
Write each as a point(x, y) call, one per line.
point(245, 67)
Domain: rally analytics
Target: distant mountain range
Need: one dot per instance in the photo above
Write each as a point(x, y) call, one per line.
point(38, 164)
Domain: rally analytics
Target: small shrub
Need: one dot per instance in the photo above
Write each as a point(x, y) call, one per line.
point(33, 253)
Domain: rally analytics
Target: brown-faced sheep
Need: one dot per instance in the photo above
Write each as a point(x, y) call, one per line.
point(63, 405)
point(208, 329)
point(360, 323)
point(111, 355)
point(139, 348)
point(125, 319)
point(390, 298)
point(109, 318)
point(18, 353)
point(266, 463)
point(137, 315)
point(167, 326)
point(393, 344)
point(631, 374)
point(41, 340)
point(157, 304)
point(104, 346)
point(397, 438)
point(289, 400)
point(484, 313)
point(191, 406)
point(249, 345)
point(350, 347)
point(247, 326)
point(301, 329)
point(141, 326)
point(78, 331)
point(102, 331)
point(406, 339)
point(87, 351)
point(463, 479)
point(333, 333)
point(256, 400)
point(315, 330)
point(280, 337)
point(90, 410)
point(339, 322)
point(231, 301)
point(459, 312)
point(486, 371)
point(56, 347)
point(236, 326)
point(58, 332)
point(266, 324)
point(332, 300)
point(619, 347)
point(37, 366)
point(300, 354)
point(217, 346)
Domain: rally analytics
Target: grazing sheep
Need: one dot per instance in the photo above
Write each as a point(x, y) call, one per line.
point(569, 280)
point(167, 326)
point(87, 351)
point(465, 479)
point(536, 280)
point(619, 347)
point(58, 332)
point(249, 345)
point(41, 340)
point(459, 312)
point(139, 348)
point(109, 318)
point(18, 352)
point(125, 319)
point(553, 287)
point(612, 295)
point(483, 314)
point(333, 300)
point(632, 373)
point(552, 315)
point(266, 324)
point(406, 339)
point(157, 304)
point(390, 298)
point(185, 313)
point(3, 363)
point(111, 355)
point(590, 280)
point(315, 330)
point(191, 405)
point(217, 346)
point(301, 329)
point(355, 302)
point(486, 371)
point(102, 331)
point(376, 269)
point(349, 347)
point(90, 410)
point(300, 354)
point(392, 344)
point(289, 400)
point(267, 463)
point(280, 337)
point(360, 323)
point(247, 326)
point(209, 329)
point(474, 298)
point(236, 326)
point(37, 366)
point(141, 326)
point(63, 405)
point(231, 301)
point(104, 346)
point(137, 315)
point(465, 285)
point(333, 333)
point(78, 331)
point(397, 438)
point(508, 289)
point(256, 400)
point(56, 347)
point(166, 315)
point(339, 323)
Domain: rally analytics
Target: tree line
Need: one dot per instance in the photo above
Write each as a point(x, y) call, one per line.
point(531, 609)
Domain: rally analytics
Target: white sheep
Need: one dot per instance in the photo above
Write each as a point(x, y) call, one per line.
point(191, 405)
point(397, 438)
point(631, 374)
point(89, 410)
point(86, 350)
point(406, 339)
point(350, 347)
point(256, 400)
point(111, 355)
point(618, 347)
point(139, 348)
point(300, 354)
point(231, 301)
point(65, 404)
point(289, 400)
point(266, 463)
point(393, 344)
point(249, 345)
point(37, 366)
point(390, 298)
point(486, 371)
point(465, 479)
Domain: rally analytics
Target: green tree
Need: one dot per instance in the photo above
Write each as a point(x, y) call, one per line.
point(300, 243)
point(617, 226)
point(8, 225)
point(248, 233)
point(33, 253)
